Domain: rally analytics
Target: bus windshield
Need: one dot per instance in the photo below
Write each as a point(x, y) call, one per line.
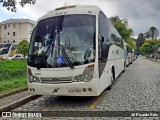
point(62, 41)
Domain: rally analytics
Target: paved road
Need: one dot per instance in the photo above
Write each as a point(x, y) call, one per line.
point(138, 89)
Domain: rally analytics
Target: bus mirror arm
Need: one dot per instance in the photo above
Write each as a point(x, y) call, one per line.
point(101, 38)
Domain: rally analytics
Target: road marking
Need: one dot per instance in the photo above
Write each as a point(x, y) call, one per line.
point(97, 100)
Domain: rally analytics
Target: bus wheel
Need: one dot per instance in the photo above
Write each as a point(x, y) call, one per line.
point(124, 67)
point(112, 79)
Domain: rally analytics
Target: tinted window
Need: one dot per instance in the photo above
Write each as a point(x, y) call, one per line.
point(103, 40)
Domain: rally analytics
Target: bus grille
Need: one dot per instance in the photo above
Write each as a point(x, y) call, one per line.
point(56, 80)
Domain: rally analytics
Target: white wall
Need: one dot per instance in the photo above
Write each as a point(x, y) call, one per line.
point(22, 31)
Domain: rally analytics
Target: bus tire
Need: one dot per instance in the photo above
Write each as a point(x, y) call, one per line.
point(124, 67)
point(112, 78)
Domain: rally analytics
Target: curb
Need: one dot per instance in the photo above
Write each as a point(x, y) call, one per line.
point(19, 103)
point(14, 92)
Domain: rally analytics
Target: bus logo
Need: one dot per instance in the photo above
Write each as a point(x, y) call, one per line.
point(55, 79)
point(55, 90)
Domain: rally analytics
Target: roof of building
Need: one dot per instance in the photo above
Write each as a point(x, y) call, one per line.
point(18, 21)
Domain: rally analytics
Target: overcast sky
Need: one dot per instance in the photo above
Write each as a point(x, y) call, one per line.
point(141, 14)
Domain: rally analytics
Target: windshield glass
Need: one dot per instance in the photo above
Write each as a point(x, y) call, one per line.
point(63, 40)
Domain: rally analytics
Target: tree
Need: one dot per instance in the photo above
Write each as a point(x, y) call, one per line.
point(131, 43)
point(140, 40)
point(150, 46)
point(123, 29)
point(23, 47)
point(11, 4)
point(153, 33)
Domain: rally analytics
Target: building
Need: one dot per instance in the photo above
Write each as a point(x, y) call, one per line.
point(16, 30)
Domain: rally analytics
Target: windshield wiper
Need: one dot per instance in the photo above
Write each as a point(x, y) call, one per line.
point(66, 56)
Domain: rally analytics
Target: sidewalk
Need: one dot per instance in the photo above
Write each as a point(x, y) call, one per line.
point(15, 99)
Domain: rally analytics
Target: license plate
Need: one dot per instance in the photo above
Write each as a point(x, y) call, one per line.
point(74, 90)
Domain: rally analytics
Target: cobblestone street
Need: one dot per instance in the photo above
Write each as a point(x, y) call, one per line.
point(137, 89)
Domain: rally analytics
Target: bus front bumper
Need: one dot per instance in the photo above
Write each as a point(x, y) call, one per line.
point(66, 89)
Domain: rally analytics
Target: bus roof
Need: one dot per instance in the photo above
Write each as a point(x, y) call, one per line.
point(77, 6)
point(71, 7)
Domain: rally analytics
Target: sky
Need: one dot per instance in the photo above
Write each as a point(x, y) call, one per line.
point(141, 14)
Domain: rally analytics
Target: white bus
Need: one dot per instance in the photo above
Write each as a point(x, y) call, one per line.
point(129, 54)
point(74, 51)
point(7, 50)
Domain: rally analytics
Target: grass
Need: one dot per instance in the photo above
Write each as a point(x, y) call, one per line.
point(12, 69)
point(12, 75)
point(12, 85)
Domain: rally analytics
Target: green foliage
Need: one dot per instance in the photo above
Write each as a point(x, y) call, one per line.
point(13, 75)
point(13, 84)
point(12, 69)
point(131, 43)
point(11, 4)
point(151, 34)
point(123, 29)
point(23, 47)
point(150, 46)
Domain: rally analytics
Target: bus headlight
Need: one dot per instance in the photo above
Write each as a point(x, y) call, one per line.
point(32, 78)
point(78, 78)
point(88, 73)
point(86, 76)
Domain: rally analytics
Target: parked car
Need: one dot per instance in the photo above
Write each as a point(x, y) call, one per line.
point(16, 57)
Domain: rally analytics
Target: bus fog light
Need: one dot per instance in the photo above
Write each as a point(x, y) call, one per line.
point(89, 89)
point(84, 89)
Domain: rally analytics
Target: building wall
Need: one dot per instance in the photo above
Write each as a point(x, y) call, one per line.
point(16, 30)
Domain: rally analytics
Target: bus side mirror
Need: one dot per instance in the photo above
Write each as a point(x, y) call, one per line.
point(101, 38)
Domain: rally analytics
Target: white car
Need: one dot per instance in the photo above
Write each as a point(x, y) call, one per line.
point(16, 57)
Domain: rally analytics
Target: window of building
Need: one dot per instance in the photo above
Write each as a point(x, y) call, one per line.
point(14, 41)
point(8, 33)
point(4, 41)
point(14, 33)
point(8, 25)
point(14, 25)
point(5, 27)
point(8, 41)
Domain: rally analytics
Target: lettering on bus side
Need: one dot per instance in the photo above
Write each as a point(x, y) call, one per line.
point(61, 13)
